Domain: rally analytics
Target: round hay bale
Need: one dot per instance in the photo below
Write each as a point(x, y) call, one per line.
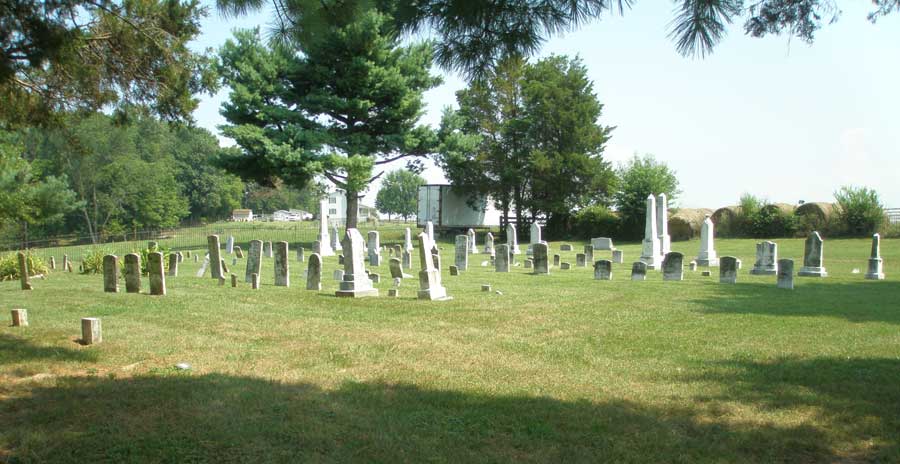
point(782, 207)
point(815, 215)
point(685, 224)
point(725, 218)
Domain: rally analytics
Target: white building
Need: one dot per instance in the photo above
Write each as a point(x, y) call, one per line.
point(242, 215)
point(337, 208)
point(291, 215)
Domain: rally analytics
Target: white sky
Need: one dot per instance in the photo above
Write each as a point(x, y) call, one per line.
point(777, 118)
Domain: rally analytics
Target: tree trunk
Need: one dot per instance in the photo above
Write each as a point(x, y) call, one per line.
point(352, 209)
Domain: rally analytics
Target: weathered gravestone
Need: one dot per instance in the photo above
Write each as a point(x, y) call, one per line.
point(662, 224)
point(589, 253)
point(397, 269)
point(355, 283)
point(238, 252)
point(528, 264)
point(282, 266)
point(267, 249)
point(580, 260)
point(337, 275)
point(66, 265)
point(876, 265)
point(156, 273)
point(461, 255)
point(501, 258)
point(673, 266)
point(19, 317)
point(229, 245)
point(374, 248)
point(110, 274)
point(454, 270)
point(813, 257)
point(336, 240)
point(707, 255)
point(430, 287)
point(603, 270)
point(407, 241)
point(512, 240)
point(314, 273)
point(618, 256)
point(224, 269)
point(133, 273)
point(541, 261)
point(728, 270)
point(324, 249)
point(565, 247)
point(565, 266)
point(52, 263)
point(489, 244)
point(556, 260)
point(766, 259)
point(233, 280)
point(215, 258)
point(639, 270)
point(254, 281)
point(300, 257)
point(407, 259)
point(173, 265)
point(91, 331)
point(473, 247)
point(692, 265)
point(23, 271)
point(650, 249)
point(533, 238)
point(602, 243)
point(786, 274)
point(254, 260)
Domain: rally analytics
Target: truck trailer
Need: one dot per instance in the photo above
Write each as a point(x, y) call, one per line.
point(448, 209)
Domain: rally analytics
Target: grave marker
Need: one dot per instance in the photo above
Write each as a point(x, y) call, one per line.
point(461, 253)
point(254, 260)
point(707, 256)
point(355, 283)
point(157, 274)
point(19, 318)
point(501, 258)
point(603, 270)
point(173, 265)
point(282, 265)
point(541, 261)
point(673, 266)
point(430, 287)
point(133, 273)
point(91, 331)
point(639, 270)
point(23, 271)
point(314, 273)
point(512, 240)
point(650, 249)
point(215, 258)
point(111, 274)
point(786, 274)
point(766, 259)
point(813, 257)
point(728, 270)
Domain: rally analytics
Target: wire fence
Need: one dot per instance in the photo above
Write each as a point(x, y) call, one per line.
point(893, 215)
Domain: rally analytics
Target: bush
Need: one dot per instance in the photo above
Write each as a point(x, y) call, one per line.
point(638, 178)
point(859, 211)
point(145, 261)
point(9, 265)
point(92, 261)
point(772, 222)
point(596, 221)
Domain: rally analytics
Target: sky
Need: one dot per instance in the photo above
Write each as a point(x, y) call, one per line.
point(775, 117)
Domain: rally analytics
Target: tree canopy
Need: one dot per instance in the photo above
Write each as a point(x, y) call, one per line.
point(637, 179)
point(399, 193)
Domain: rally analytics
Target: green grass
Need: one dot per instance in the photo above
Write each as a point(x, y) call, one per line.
point(559, 368)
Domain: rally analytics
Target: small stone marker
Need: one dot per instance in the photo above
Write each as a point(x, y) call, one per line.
point(512, 240)
point(461, 256)
point(529, 264)
point(173, 265)
point(407, 259)
point(766, 259)
point(215, 256)
point(335, 239)
point(541, 264)
point(603, 270)
point(501, 258)
point(588, 254)
point(692, 265)
point(157, 274)
point(728, 270)
point(19, 318)
point(813, 257)
point(454, 270)
point(393, 293)
point(876, 264)
point(556, 260)
point(267, 249)
point(229, 245)
point(282, 265)
point(580, 260)
point(52, 263)
point(65, 264)
point(133, 273)
point(238, 252)
point(707, 255)
point(639, 270)
point(181, 257)
point(254, 281)
point(618, 256)
point(374, 242)
point(300, 257)
point(706, 273)
point(91, 331)
point(197, 259)
point(473, 246)
point(489, 244)
point(673, 266)
point(485, 287)
point(254, 260)
point(355, 283)
point(565, 247)
point(602, 243)
point(111, 274)
point(224, 269)
point(23, 271)
point(314, 273)
point(375, 277)
point(338, 274)
point(786, 274)
point(233, 280)
point(565, 266)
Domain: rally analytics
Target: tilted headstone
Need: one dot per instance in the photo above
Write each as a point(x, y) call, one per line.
point(238, 252)
point(580, 260)
point(215, 258)
point(173, 265)
point(254, 260)
point(336, 239)
point(91, 331)
point(766, 259)
point(24, 280)
point(876, 264)
point(229, 245)
point(650, 249)
point(673, 266)
point(324, 248)
point(786, 274)
point(618, 256)
point(355, 283)
point(224, 269)
point(603, 270)
point(374, 240)
point(461, 253)
point(110, 274)
point(512, 240)
point(728, 270)
point(813, 257)
point(473, 246)
point(133, 273)
point(430, 287)
point(282, 265)
point(489, 244)
point(707, 255)
point(589, 253)
point(534, 237)
point(662, 223)
point(157, 274)
point(203, 266)
point(314, 273)
point(396, 268)
point(602, 243)
point(541, 261)
point(501, 258)
point(639, 270)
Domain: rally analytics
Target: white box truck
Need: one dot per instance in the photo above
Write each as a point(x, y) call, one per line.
point(447, 209)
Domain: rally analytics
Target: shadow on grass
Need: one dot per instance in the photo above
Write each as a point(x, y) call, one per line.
point(18, 350)
point(219, 418)
point(863, 301)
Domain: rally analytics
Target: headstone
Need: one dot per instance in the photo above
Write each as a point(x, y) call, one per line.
point(203, 266)
point(639, 270)
point(374, 248)
point(234, 260)
point(233, 280)
point(692, 265)
point(19, 318)
point(512, 240)
point(501, 258)
point(662, 224)
point(224, 269)
point(215, 258)
point(454, 270)
point(430, 287)
point(728, 270)
point(541, 261)
point(336, 239)
point(52, 263)
point(489, 244)
point(375, 277)
point(133, 273)
point(282, 266)
point(314, 273)
point(485, 287)
point(69, 267)
point(407, 259)
point(91, 331)
point(766, 259)
point(473, 247)
point(65, 263)
point(556, 260)
point(618, 256)
point(602, 243)
point(300, 257)
point(338, 275)
point(152, 246)
point(461, 256)
point(324, 248)
point(341, 260)
point(565, 266)
point(355, 283)
point(238, 252)
point(393, 293)
point(173, 265)
point(876, 264)
point(565, 247)
point(813, 257)
point(589, 254)
point(197, 259)
point(580, 260)
point(534, 237)
point(786, 274)
point(528, 264)
point(254, 281)
point(23, 271)
point(222, 281)
point(110, 274)
point(407, 240)
point(673, 266)
point(229, 245)
point(650, 249)
point(267, 250)
point(603, 270)
point(707, 256)
point(181, 257)
point(396, 268)
point(254, 260)
point(706, 273)
point(157, 276)
point(398, 250)
point(436, 260)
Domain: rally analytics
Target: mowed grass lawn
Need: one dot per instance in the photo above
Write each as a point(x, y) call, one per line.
point(559, 368)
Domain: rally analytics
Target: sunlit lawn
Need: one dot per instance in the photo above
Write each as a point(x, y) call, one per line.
point(557, 368)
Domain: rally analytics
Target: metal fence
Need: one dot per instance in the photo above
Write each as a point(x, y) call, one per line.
point(893, 215)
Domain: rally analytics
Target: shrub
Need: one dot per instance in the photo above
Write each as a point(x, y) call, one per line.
point(638, 178)
point(92, 261)
point(9, 265)
point(772, 222)
point(596, 221)
point(859, 211)
point(145, 261)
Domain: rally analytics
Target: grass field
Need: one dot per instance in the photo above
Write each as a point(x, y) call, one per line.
point(559, 368)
